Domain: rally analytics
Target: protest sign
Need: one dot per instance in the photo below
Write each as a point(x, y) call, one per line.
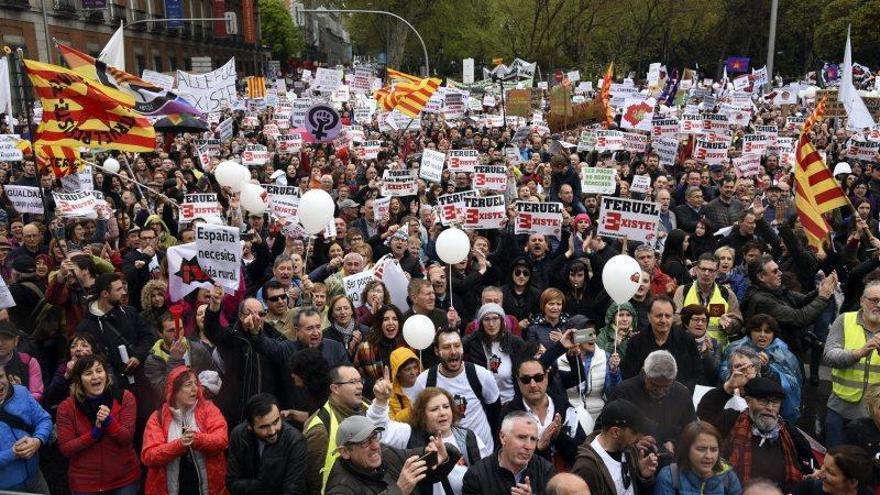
point(368, 150)
point(770, 131)
point(254, 154)
point(354, 286)
point(748, 165)
point(635, 142)
point(755, 144)
point(511, 153)
point(218, 250)
point(453, 106)
point(609, 140)
point(25, 199)
point(212, 144)
point(863, 150)
point(399, 183)
point(490, 178)
point(204, 205)
point(640, 184)
point(690, 123)
point(794, 124)
point(78, 204)
point(283, 201)
point(666, 149)
point(360, 83)
point(209, 92)
point(8, 151)
point(271, 131)
point(225, 129)
point(462, 160)
point(381, 207)
point(597, 180)
point(79, 181)
point(290, 143)
point(587, 141)
point(323, 123)
point(715, 122)
point(451, 206)
point(635, 220)
point(431, 168)
point(538, 218)
point(519, 102)
point(487, 212)
point(6, 299)
point(710, 152)
point(740, 83)
point(165, 82)
point(637, 114)
point(204, 157)
point(327, 79)
point(299, 107)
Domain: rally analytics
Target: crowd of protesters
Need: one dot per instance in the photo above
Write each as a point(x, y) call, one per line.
point(536, 382)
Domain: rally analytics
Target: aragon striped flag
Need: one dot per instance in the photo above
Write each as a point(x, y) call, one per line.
point(256, 87)
point(59, 160)
point(409, 95)
point(816, 191)
point(81, 112)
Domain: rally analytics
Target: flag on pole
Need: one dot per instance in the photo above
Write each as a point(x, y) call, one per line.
point(737, 65)
point(113, 53)
point(409, 94)
point(605, 95)
point(857, 115)
point(60, 160)
point(256, 87)
point(816, 191)
point(81, 112)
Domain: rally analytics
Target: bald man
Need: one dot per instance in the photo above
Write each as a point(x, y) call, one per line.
point(567, 484)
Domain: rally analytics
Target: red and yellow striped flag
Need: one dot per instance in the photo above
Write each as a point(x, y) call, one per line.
point(256, 87)
point(81, 112)
point(816, 191)
point(409, 95)
point(396, 75)
point(60, 160)
point(605, 95)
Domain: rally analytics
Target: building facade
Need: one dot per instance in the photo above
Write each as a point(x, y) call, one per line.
point(325, 36)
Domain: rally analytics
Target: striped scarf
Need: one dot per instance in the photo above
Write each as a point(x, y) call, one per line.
point(740, 446)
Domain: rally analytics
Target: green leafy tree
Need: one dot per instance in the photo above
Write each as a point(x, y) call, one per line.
point(278, 30)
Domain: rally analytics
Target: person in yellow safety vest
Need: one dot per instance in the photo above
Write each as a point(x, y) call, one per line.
point(346, 399)
point(852, 350)
point(725, 318)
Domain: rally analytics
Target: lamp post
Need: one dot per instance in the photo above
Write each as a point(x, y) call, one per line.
point(382, 12)
point(771, 41)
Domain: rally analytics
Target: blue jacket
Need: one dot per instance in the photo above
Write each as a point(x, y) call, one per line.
point(724, 483)
point(14, 472)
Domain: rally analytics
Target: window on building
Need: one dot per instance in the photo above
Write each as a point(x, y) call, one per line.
point(141, 62)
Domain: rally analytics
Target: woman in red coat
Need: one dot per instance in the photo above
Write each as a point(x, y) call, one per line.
point(95, 431)
point(184, 441)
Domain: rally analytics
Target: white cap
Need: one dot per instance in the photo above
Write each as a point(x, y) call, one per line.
point(842, 168)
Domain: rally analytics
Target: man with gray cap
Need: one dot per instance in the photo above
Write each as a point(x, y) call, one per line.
point(366, 467)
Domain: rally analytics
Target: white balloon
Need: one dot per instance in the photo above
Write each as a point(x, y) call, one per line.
point(811, 92)
point(418, 332)
point(243, 176)
point(453, 246)
point(111, 165)
point(621, 276)
point(315, 210)
point(252, 198)
point(227, 173)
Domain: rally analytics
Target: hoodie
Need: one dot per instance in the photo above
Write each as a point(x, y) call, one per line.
point(207, 448)
point(521, 306)
point(605, 338)
point(167, 239)
point(400, 407)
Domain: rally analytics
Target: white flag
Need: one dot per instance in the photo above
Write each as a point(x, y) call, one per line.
point(5, 89)
point(857, 113)
point(114, 53)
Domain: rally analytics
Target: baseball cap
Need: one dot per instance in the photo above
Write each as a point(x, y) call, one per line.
point(355, 429)
point(24, 264)
point(578, 321)
point(8, 329)
point(348, 203)
point(623, 413)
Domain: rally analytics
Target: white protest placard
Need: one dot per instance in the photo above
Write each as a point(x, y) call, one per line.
point(640, 184)
point(715, 122)
point(79, 181)
point(225, 129)
point(381, 207)
point(218, 250)
point(770, 131)
point(755, 144)
point(710, 152)
point(204, 157)
point(250, 121)
point(290, 143)
point(596, 180)
point(399, 183)
point(690, 123)
point(254, 154)
point(573, 76)
point(664, 128)
point(164, 81)
point(666, 149)
point(368, 150)
point(538, 218)
point(25, 199)
point(327, 79)
point(283, 201)
point(609, 140)
point(211, 91)
point(793, 124)
point(512, 155)
point(453, 105)
point(741, 82)
point(489, 101)
point(863, 150)
point(635, 142)
point(467, 71)
point(8, 151)
point(6, 299)
point(462, 160)
point(354, 286)
point(748, 165)
point(637, 114)
point(450, 207)
point(490, 178)
point(431, 168)
point(79, 204)
point(587, 141)
point(487, 212)
point(360, 83)
point(298, 112)
point(636, 220)
point(203, 205)
point(212, 144)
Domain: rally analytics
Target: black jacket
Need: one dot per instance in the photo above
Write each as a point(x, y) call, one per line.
point(474, 351)
point(680, 344)
point(279, 470)
point(794, 312)
point(122, 325)
point(590, 466)
point(348, 479)
point(137, 278)
point(567, 442)
point(669, 414)
point(488, 477)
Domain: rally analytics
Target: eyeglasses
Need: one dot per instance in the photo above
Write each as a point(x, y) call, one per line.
point(522, 273)
point(699, 319)
point(537, 378)
point(279, 297)
point(764, 401)
point(375, 437)
point(874, 301)
point(353, 381)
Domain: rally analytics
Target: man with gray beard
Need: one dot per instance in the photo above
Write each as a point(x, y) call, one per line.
point(760, 444)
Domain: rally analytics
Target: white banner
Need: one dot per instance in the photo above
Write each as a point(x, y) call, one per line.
point(609, 140)
point(25, 199)
point(431, 168)
point(399, 183)
point(327, 79)
point(79, 181)
point(204, 206)
point(354, 286)
point(211, 91)
point(369, 150)
point(490, 178)
point(709, 152)
point(597, 180)
point(79, 204)
point(165, 82)
point(635, 220)
point(538, 218)
point(484, 213)
point(755, 144)
point(451, 206)
point(219, 253)
point(462, 160)
point(254, 154)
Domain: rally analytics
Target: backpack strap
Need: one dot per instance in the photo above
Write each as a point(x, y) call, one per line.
point(676, 477)
point(470, 369)
point(432, 377)
point(33, 287)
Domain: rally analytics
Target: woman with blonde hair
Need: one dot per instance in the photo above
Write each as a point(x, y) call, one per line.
point(549, 326)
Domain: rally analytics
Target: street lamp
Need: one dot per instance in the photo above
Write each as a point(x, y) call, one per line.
point(383, 12)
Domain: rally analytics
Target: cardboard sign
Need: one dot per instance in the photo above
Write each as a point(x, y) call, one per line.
point(218, 250)
point(283, 201)
point(640, 184)
point(609, 140)
point(203, 206)
point(254, 154)
point(225, 129)
point(79, 204)
point(755, 144)
point(587, 141)
point(80, 181)
point(450, 207)
point(490, 178)
point(715, 122)
point(597, 180)
point(399, 183)
point(666, 149)
point(25, 199)
point(355, 284)
point(634, 142)
point(8, 151)
point(636, 220)
point(462, 160)
point(327, 79)
point(484, 212)
point(538, 218)
point(431, 167)
point(710, 152)
point(748, 165)
point(209, 92)
point(212, 144)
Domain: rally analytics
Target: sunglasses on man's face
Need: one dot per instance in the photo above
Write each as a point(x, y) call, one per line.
point(537, 378)
point(279, 297)
point(522, 273)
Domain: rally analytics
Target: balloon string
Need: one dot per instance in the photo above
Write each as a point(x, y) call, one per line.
point(616, 328)
point(450, 285)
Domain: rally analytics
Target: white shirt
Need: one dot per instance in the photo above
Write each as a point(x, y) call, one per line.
point(501, 366)
point(614, 468)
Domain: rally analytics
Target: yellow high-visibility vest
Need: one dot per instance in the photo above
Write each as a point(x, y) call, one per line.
point(714, 329)
point(850, 383)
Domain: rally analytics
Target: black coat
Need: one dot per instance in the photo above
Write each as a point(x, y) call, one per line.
point(474, 351)
point(122, 325)
point(670, 414)
point(137, 278)
point(348, 479)
point(680, 344)
point(488, 477)
point(280, 470)
point(566, 443)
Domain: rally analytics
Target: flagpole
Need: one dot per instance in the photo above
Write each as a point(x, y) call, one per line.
point(125, 178)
